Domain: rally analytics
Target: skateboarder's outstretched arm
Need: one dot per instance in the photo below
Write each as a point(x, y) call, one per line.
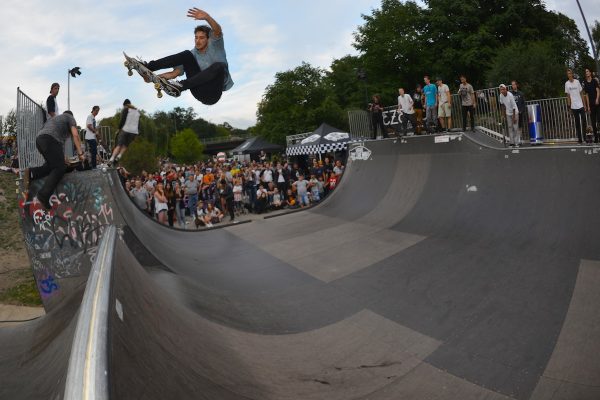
point(199, 14)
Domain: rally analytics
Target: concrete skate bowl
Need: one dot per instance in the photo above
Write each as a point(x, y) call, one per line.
point(439, 269)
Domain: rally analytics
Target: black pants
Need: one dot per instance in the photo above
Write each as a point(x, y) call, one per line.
point(282, 187)
point(170, 214)
point(580, 124)
point(470, 110)
point(377, 120)
point(93, 146)
point(413, 122)
point(54, 168)
point(230, 209)
point(594, 116)
point(206, 86)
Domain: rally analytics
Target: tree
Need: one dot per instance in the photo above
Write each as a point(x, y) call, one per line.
point(541, 74)
point(9, 123)
point(185, 146)
point(294, 104)
point(400, 42)
point(140, 156)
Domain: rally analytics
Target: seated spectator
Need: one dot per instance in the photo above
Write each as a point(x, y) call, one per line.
point(291, 199)
point(262, 199)
point(276, 203)
point(301, 186)
point(213, 214)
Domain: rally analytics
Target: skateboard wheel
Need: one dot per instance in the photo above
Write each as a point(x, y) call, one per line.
point(130, 72)
point(158, 94)
point(126, 64)
point(157, 86)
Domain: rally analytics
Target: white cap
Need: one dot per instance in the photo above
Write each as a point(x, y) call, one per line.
point(502, 86)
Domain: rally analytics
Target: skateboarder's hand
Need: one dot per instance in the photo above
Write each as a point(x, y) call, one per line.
point(197, 13)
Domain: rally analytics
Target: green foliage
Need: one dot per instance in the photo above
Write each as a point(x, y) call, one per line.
point(185, 146)
point(9, 122)
point(541, 74)
point(141, 156)
point(298, 101)
point(159, 127)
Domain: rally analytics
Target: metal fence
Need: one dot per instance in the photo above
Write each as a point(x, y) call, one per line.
point(557, 121)
point(30, 119)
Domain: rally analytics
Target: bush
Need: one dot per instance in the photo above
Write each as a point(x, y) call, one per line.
point(140, 156)
point(186, 148)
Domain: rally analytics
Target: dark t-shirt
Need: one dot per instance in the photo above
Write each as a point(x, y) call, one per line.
point(59, 127)
point(417, 100)
point(590, 89)
point(51, 104)
point(520, 100)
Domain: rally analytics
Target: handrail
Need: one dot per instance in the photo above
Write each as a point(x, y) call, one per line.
point(87, 376)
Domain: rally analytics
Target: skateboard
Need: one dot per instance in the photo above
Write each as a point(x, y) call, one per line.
point(160, 84)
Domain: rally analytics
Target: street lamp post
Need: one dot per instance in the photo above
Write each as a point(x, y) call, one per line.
point(73, 72)
point(594, 50)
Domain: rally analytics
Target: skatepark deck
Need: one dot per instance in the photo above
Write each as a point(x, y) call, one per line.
point(440, 268)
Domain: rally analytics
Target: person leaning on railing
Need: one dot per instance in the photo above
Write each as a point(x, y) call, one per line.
point(520, 100)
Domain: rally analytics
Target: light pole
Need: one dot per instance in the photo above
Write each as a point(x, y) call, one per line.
point(73, 72)
point(587, 28)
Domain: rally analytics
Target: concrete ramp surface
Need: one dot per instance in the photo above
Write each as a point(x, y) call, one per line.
point(440, 268)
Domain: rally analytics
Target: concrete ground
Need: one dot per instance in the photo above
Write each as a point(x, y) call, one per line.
point(14, 315)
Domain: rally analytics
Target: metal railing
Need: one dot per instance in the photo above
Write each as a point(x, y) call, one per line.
point(225, 139)
point(557, 121)
point(293, 139)
point(30, 119)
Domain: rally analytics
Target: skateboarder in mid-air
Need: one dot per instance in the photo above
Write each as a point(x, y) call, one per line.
point(205, 66)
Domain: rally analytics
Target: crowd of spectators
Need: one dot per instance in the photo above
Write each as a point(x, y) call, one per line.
point(206, 193)
point(7, 148)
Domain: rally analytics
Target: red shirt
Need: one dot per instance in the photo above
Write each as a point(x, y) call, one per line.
point(332, 182)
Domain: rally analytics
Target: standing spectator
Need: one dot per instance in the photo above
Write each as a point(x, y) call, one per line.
point(418, 106)
point(129, 128)
point(332, 181)
point(140, 195)
point(171, 202)
point(313, 183)
point(520, 100)
point(91, 135)
point(179, 204)
point(50, 142)
point(226, 193)
point(444, 105)
point(406, 109)
point(282, 176)
point(592, 101)
point(160, 204)
point(467, 101)
point(301, 186)
point(376, 110)
point(573, 89)
point(191, 191)
point(237, 195)
point(430, 95)
point(51, 103)
point(507, 101)
point(338, 169)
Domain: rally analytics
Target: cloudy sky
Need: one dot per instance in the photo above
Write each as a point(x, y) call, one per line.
point(40, 40)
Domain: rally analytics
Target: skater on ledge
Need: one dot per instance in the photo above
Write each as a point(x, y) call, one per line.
point(50, 142)
point(205, 66)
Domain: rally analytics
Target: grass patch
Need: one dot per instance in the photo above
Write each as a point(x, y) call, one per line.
point(11, 237)
point(23, 293)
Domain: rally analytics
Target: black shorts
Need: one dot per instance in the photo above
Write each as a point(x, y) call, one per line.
point(125, 138)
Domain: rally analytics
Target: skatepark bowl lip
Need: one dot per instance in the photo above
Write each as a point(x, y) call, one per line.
point(436, 302)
